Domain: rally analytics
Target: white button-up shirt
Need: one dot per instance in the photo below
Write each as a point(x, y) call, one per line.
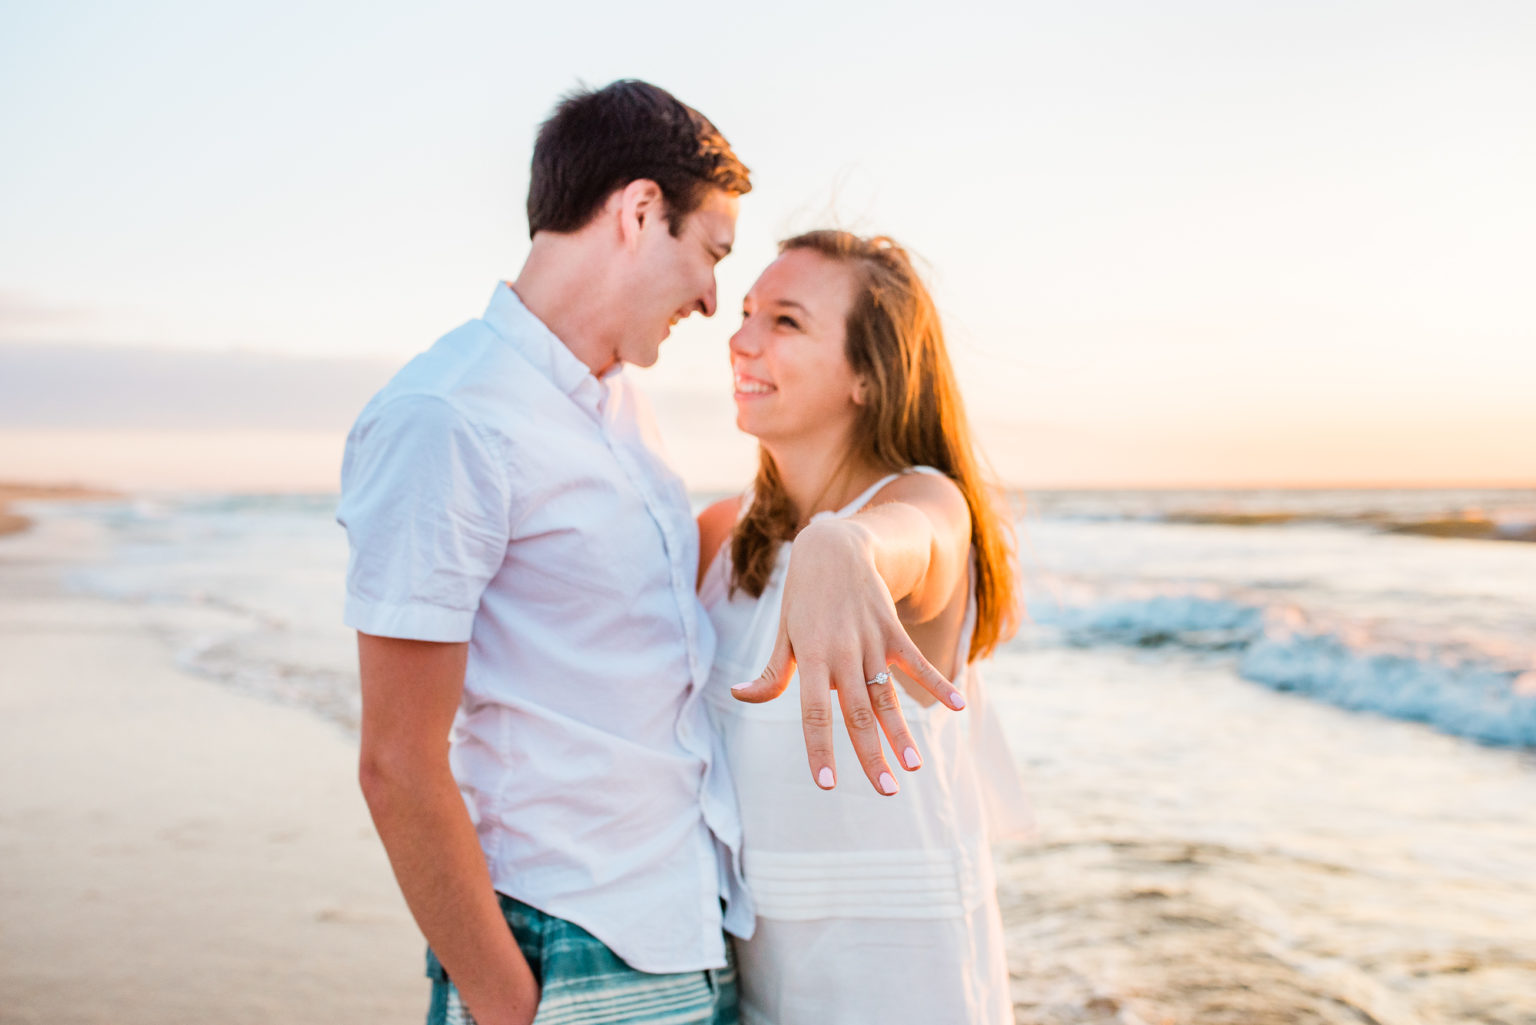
point(496, 492)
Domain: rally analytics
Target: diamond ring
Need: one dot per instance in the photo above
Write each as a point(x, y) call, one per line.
point(878, 678)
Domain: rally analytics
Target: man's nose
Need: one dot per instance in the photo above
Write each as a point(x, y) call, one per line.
point(707, 304)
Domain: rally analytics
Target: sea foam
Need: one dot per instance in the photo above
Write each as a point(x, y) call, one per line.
point(1459, 691)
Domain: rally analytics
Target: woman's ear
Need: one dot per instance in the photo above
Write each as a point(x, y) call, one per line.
point(860, 390)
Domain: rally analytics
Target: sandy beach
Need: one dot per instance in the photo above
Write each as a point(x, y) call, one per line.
point(181, 836)
point(171, 851)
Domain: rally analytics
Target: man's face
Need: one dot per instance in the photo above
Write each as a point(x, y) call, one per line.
point(675, 275)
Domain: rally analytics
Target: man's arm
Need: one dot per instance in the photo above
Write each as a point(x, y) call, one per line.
point(411, 690)
point(840, 622)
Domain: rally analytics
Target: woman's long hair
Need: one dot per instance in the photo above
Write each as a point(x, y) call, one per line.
point(912, 416)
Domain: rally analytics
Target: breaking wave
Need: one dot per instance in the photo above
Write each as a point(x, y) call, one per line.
point(1461, 691)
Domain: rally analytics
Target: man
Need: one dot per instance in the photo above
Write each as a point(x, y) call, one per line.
point(521, 572)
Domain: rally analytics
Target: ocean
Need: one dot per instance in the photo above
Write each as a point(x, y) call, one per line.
point(1282, 744)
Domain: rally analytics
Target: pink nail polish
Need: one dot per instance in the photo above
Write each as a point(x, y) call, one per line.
point(742, 686)
point(824, 777)
point(957, 701)
point(887, 783)
point(910, 759)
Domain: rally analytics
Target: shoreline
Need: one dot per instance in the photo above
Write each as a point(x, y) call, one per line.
point(1462, 528)
point(14, 491)
point(1468, 524)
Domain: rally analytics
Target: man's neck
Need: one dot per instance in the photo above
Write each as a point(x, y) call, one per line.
point(562, 284)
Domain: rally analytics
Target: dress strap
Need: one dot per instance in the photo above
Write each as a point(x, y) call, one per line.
point(873, 490)
point(864, 497)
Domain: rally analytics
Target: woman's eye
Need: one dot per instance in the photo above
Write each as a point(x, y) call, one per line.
point(787, 321)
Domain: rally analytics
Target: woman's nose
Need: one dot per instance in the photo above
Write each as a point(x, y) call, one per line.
point(744, 341)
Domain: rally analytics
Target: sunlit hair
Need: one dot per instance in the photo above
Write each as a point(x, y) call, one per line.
point(912, 416)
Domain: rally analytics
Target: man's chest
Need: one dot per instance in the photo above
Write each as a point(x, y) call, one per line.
point(599, 515)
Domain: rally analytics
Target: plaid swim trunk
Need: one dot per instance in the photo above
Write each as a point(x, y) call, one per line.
point(582, 982)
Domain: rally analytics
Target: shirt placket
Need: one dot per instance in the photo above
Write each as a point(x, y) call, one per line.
point(627, 451)
point(603, 401)
point(630, 453)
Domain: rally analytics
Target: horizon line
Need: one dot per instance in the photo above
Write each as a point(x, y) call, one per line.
point(77, 484)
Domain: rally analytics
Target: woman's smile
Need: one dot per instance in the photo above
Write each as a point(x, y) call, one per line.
point(748, 387)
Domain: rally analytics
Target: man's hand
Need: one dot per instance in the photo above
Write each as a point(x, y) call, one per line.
point(839, 625)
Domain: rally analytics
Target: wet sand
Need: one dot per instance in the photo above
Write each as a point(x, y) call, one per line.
point(171, 851)
point(1269, 861)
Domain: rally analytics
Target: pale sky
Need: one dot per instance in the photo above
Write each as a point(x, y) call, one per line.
point(1174, 243)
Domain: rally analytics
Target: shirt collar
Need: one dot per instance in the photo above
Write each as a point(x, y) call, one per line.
point(535, 342)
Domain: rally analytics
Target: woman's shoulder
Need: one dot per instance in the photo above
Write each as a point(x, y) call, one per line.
point(928, 487)
point(716, 521)
point(715, 524)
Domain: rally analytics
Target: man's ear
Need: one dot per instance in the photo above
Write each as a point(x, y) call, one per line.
point(640, 204)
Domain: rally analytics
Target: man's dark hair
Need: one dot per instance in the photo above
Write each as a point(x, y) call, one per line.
point(596, 142)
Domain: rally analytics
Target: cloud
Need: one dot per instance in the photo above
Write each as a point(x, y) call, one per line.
point(24, 315)
point(78, 387)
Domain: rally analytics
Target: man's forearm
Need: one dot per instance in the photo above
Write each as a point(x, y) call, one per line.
point(437, 860)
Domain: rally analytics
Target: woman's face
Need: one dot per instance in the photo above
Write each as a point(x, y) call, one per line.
point(792, 377)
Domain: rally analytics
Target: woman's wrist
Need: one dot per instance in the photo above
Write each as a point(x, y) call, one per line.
point(838, 537)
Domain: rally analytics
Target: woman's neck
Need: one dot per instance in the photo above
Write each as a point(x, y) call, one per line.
point(818, 477)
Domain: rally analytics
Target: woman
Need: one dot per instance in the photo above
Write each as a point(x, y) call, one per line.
point(871, 908)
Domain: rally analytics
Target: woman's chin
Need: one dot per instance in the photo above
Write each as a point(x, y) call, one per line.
point(749, 416)
point(745, 425)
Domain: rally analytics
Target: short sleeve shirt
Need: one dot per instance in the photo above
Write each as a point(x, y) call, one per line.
point(496, 492)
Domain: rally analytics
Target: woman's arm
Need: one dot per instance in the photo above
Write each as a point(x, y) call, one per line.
point(840, 624)
point(715, 525)
point(917, 529)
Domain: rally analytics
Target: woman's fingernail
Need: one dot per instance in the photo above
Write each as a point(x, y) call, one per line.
point(910, 758)
point(824, 777)
point(956, 700)
point(742, 686)
point(887, 783)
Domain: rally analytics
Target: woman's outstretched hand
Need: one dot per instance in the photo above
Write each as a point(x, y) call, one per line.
point(839, 626)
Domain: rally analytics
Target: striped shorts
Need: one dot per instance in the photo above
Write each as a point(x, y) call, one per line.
point(582, 982)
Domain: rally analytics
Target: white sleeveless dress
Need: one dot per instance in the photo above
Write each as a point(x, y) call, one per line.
point(870, 909)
